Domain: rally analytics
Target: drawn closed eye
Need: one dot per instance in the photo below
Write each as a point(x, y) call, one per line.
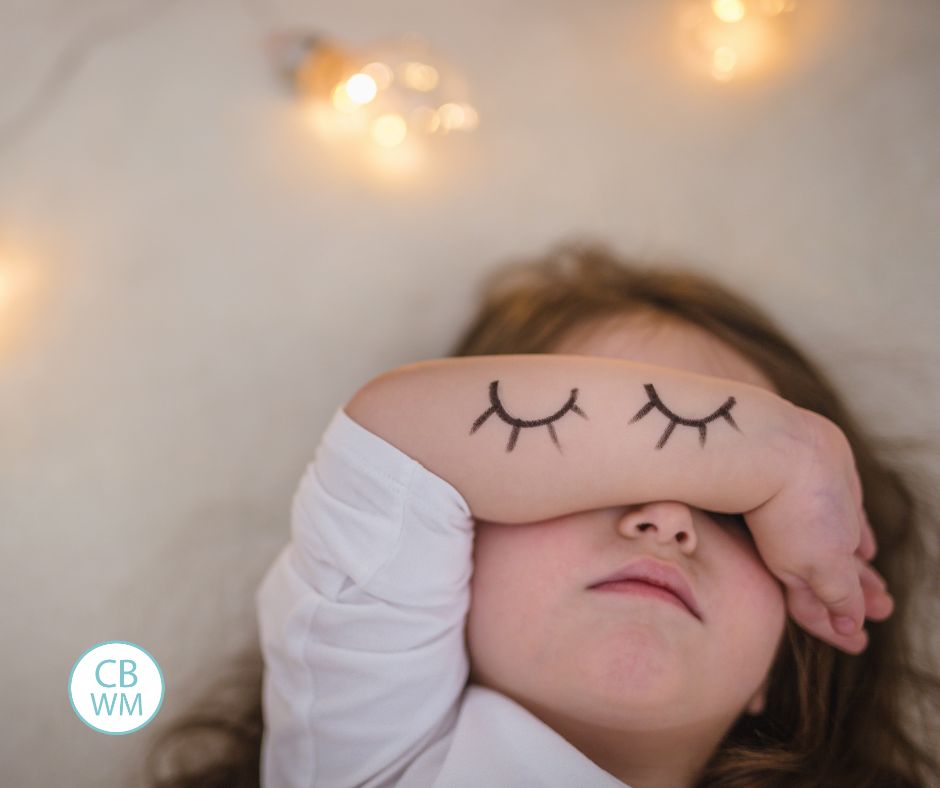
point(655, 402)
point(518, 424)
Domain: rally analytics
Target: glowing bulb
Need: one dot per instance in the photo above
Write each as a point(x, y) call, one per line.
point(361, 88)
point(6, 289)
point(20, 284)
point(471, 118)
point(342, 100)
point(773, 7)
point(392, 95)
point(381, 74)
point(729, 10)
point(419, 76)
point(389, 130)
point(452, 115)
point(756, 40)
point(724, 59)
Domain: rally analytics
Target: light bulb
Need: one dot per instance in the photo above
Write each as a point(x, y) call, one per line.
point(773, 7)
point(361, 88)
point(419, 76)
point(729, 10)
point(724, 59)
point(381, 74)
point(734, 39)
point(389, 130)
point(22, 286)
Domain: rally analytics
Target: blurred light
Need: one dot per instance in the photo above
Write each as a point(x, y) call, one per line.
point(14, 277)
point(392, 90)
point(734, 39)
point(470, 117)
point(451, 116)
point(389, 130)
point(773, 7)
point(381, 74)
point(20, 287)
point(419, 76)
point(342, 100)
point(458, 116)
point(724, 59)
point(729, 10)
point(361, 88)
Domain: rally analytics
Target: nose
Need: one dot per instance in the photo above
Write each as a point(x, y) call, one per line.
point(665, 521)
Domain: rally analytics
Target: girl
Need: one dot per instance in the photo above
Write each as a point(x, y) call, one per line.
point(660, 387)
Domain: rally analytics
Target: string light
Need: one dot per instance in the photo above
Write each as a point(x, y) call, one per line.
point(419, 76)
point(361, 88)
point(734, 39)
point(394, 91)
point(724, 59)
point(20, 287)
point(389, 130)
point(729, 10)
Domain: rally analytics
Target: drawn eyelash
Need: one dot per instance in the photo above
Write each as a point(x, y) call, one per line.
point(517, 424)
point(655, 402)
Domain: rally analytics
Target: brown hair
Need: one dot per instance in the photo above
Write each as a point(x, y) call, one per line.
point(831, 719)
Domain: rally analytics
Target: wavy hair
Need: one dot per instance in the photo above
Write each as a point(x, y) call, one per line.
point(831, 719)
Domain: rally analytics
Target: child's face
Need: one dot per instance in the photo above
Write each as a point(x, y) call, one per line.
point(607, 669)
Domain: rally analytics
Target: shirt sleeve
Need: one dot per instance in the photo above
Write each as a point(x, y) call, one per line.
point(361, 616)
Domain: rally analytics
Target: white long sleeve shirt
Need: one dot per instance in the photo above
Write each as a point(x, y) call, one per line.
point(361, 620)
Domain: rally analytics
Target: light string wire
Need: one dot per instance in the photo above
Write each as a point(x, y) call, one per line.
point(67, 65)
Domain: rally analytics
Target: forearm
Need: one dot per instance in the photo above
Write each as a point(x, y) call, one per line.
point(450, 416)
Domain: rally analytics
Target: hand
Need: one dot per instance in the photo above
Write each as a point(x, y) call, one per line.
point(815, 537)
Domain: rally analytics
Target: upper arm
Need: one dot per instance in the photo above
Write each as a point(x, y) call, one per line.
point(362, 615)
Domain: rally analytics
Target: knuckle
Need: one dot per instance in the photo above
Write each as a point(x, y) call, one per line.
point(836, 593)
point(836, 590)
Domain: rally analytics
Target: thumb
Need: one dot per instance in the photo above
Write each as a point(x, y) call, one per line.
point(838, 587)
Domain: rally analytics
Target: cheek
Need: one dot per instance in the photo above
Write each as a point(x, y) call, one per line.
point(769, 592)
point(751, 612)
point(511, 593)
point(535, 558)
point(743, 632)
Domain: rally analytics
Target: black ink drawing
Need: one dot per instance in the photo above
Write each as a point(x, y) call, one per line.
point(517, 424)
point(655, 402)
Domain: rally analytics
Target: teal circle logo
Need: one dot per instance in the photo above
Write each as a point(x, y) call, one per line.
point(116, 687)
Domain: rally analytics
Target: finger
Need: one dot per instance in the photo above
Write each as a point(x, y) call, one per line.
point(879, 604)
point(812, 615)
point(868, 548)
point(838, 587)
point(869, 575)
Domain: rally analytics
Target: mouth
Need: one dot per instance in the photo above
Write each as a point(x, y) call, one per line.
point(652, 579)
point(639, 588)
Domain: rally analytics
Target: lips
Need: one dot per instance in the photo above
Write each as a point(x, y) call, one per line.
point(656, 573)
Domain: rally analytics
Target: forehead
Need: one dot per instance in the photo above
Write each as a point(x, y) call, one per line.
point(666, 341)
